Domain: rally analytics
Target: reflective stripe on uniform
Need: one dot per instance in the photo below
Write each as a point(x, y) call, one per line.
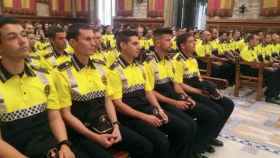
point(23, 113)
point(101, 72)
point(73, 81)
point(2, 105)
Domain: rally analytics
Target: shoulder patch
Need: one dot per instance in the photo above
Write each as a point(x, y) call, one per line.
point(64, 66)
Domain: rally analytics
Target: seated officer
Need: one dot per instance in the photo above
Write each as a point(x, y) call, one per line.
point(107, 56)
point(160, 72)
point(188, 76)
point(34, 57)
point(55, 54)
point(139, 109)
point(87, 108)
point(30, 121)
point(271, 74)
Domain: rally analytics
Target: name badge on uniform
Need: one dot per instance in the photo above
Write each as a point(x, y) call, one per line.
point(47, 90)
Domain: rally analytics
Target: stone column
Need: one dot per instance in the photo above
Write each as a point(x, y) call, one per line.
point(1, 6)
point(73, 9)
point(92, 11)
point(168, 12)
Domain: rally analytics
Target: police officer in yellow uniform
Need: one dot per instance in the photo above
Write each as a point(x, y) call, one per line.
point(225, 52)
point(30, 121)
point(138, 107)
point(271, 74)
point(55, 54)
point(34, 57)
point(107, 56)
point(188, 76)
point(161, 75)
point(84, 93)
point(108, 38)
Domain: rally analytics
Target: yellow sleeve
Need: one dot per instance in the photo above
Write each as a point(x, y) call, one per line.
point(245, 55)
point(111, 57)
point(178, 71)
point(200, 52)
point(52, 98)
point(109, 89)
point(115, 84)
point(63, 89)
point(150, 78)
point(148, 86)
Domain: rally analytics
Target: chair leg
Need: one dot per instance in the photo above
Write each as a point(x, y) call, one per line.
point(237, 80)
point(260, 85)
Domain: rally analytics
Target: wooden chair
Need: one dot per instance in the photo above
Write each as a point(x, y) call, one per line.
point(255, 81)
point(206, 73)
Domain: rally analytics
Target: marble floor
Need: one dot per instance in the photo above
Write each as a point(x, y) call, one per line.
point(253, 131)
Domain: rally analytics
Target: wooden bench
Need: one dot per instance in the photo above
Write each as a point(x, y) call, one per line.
point(255, 81)
point(206, 73)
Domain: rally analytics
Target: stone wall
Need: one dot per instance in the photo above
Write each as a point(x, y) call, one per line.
point(252, 11)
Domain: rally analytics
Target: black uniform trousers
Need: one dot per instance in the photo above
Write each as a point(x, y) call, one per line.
point(132, 142)
point(169, 140)
point(137, 145)
point(224, 106)
point(271, 79)
point(206, 118)
point(32, 137)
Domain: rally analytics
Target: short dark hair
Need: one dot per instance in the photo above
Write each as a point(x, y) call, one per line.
point(52, 31)
point(124, 36)
point(182, 39)
point(162, 31)
point(74, 30)
point(250, 37)
point(7, 20)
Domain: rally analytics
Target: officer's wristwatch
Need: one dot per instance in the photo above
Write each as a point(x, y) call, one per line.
point(64, 142)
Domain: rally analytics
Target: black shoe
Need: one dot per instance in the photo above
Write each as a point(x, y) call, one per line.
point(217, 143)
point(210, 149)
point(198, 155)
point(272, 100)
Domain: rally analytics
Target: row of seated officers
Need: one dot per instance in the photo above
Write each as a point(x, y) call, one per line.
point(225, 48)
point(67, 105)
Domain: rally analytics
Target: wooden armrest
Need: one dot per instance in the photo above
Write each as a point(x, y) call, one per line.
point(221, 83)
point(256, 64)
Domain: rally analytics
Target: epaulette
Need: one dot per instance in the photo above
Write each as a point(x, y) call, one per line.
point(97, 61)
point(179, 56)
point(48, 55)
point(149, 57)
point(114, 65)
point(37, 57)
point(64, 66)
point(39, 69)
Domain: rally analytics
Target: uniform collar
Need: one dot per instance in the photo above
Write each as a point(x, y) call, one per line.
point(56, 54)
point(5, 75)
point(158, 58)
point(78, 65)
point(125, 63)
point(185, 56)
